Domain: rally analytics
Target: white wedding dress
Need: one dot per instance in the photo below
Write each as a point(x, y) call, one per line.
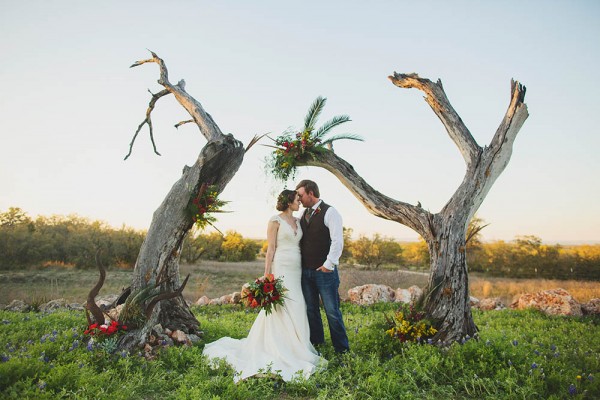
point(280, 341)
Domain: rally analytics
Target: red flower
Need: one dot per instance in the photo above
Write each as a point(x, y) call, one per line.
point(268, 287)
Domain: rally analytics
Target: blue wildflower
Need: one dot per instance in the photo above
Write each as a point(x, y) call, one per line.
point(515, 342)
point(41, 385)
point(553, 347)
point(537, 353)
point(590, 378)
point(556, 354)
point(510, 363)
point(534, 366)
point(5, 322)
point(123, 354)
point(4, 358)
point(572, 390)
point(90, 346)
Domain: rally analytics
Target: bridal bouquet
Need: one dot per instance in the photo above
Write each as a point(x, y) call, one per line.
point(266, 292)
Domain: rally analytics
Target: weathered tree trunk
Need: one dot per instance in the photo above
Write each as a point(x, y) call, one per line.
point(158, 260)
point(446, 297)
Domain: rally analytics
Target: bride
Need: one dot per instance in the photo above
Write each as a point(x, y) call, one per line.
point(279, 342)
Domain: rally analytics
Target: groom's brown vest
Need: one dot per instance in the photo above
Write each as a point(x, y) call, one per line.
point(316, 240)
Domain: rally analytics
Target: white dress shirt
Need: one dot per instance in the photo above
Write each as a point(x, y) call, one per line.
point(333, 222)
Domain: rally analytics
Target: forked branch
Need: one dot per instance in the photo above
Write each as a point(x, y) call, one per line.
point(200, 117)
point(439, 103)
point(148, 121)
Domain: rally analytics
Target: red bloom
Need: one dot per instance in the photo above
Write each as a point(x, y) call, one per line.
point(268, 287)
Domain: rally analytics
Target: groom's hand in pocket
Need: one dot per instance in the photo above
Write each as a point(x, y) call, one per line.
point(323, 269)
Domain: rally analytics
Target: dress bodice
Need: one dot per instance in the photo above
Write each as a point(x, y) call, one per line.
point(286, 261)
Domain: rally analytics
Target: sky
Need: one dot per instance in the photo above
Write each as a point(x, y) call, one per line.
point(70, 104)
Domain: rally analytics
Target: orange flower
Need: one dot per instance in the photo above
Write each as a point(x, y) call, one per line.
point(270, 277)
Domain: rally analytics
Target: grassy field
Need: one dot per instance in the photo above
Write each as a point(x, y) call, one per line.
point(214, 279)
point(520, 355)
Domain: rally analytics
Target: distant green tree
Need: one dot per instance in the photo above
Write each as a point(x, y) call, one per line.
point(202, 246)
point(377, 251)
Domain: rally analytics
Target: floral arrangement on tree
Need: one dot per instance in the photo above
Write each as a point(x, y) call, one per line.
point(203, 204)
point(409, 325)
point(293, 147)
point(266, 292)
point(105, 335)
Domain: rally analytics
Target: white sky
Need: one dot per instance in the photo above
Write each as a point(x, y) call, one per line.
point(69, 104)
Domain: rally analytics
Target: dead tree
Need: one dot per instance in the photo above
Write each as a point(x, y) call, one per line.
point(158, 260)
point(446, 297)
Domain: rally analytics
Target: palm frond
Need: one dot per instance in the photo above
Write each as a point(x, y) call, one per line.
point(343, 137)
point(332, 123)
point(313, 113)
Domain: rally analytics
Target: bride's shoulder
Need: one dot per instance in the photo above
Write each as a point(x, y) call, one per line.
point(275, 218)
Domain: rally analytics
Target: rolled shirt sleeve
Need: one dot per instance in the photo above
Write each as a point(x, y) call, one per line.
point(333, 221)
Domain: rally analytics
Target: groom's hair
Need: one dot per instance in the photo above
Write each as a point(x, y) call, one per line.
point(309, 186)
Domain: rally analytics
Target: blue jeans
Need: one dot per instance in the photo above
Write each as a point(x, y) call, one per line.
point(324, 284)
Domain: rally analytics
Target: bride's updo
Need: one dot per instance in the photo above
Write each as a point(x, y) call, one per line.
point(285, 198)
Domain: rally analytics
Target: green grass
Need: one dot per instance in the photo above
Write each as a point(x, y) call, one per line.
point(520, 354)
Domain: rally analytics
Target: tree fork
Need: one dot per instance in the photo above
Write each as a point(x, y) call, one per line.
point(446, 296)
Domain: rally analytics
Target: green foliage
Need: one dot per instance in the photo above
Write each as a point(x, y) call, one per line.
point(65, 241)
point(520, 354)
point(377, 251)
point(232, 247)
point(204, 204)
point(293, 148)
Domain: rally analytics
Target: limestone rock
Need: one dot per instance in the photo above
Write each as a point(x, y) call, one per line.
point(53, 305)
point(408, 296)
point(370, 294)
point(226, 299)
point(490, 304)
point(236, 297)
point(115, 313)
point(592, 307)
point(551, 302)
point(202, 301)
point(18, 306)
point(180, 337)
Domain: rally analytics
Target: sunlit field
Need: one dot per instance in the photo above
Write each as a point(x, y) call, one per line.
point(214, 279)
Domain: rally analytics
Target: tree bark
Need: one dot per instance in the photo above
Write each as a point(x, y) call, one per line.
point(446, 297)
point(158, 260)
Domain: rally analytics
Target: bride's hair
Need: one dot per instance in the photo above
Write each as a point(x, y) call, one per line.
point(284, 199)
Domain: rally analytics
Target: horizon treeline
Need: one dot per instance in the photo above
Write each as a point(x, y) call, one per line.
point(74, 241)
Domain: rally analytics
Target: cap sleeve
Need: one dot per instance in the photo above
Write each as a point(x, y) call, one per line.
point(275, 218)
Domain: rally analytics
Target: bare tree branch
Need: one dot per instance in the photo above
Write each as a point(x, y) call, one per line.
point(439, 103)
point(148, 121)
point(376, 203)
point(177, 125)
point(200, 117)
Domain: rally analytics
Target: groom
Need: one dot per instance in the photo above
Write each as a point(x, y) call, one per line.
point(321, 247)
